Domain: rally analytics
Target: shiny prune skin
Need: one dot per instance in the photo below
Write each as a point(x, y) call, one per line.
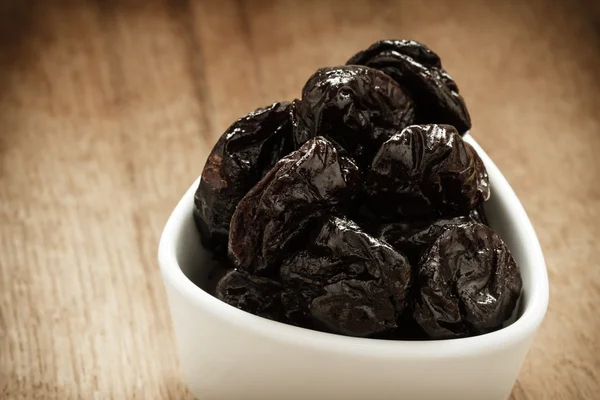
point(241, 157)
point(413, 238)
point(468, 283)
point(418, 71)
point(257, 295)
point(357, 107)
point(305, 184)
point(345, 281)
point(426, 172)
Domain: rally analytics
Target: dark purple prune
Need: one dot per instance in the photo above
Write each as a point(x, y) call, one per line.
point(241, 157)
point(298, 189)
point(345, 281)
point(418, 71)
point(256, 295)
point(468, 283)
point(357, 107)
point(426, 172)
point(413, 238)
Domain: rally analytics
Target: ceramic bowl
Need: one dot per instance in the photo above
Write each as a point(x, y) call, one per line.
point(228, 354)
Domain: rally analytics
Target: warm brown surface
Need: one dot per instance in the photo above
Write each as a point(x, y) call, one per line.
point(108, 110)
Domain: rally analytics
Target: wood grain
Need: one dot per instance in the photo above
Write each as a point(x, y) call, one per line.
point(109, 108)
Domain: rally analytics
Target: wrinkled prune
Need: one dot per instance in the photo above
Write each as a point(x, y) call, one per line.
point(468, 283)
point(413, 238)
point(426, 172)
point(300, 187)
point(256, 295)
point(357, 107)
point(241, 157)
point(345, 281)
point(418, 70)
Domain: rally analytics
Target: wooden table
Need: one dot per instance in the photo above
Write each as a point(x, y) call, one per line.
point(109, 108)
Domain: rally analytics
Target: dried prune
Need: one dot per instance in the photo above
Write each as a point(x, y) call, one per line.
point(413, 238)
point(468, 283)
point(257, 295)
point(301, 186)
point(357, 107)
point(345, 281)
point(426, 172)
point(418, 70)
point(241, 157)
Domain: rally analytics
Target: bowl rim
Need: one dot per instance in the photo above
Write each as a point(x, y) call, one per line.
point(523, 328)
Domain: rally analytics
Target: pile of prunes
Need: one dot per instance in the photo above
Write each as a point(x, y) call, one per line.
point(358, 209)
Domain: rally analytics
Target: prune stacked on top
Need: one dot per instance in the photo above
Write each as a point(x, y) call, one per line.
point(247, 150)
point(311, 181)
point(426, 172)
point(357, 107)
point(358, 209)
point(418, 70)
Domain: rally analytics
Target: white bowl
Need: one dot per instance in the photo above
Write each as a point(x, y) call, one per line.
point(226, 353)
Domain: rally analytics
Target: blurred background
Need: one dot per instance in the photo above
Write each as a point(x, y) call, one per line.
point(108, 110)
